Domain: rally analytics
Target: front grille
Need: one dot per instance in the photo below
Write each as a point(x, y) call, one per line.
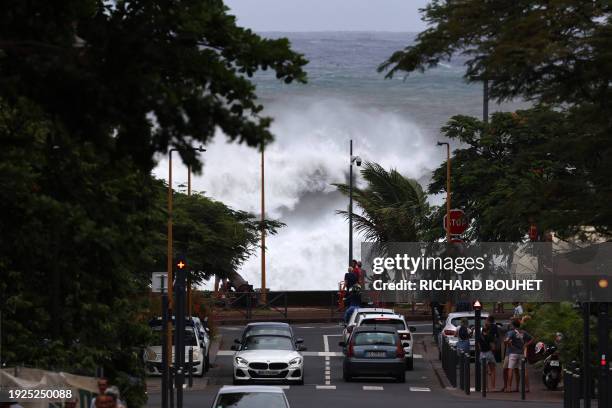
point(278, 366)
point(254, 374)
point(259, 366)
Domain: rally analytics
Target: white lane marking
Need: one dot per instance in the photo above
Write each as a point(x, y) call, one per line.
point(327, 378)
point(420, 389)
point(417, 356)
point(326, 348)
point(326, 387)
point(285, 387)
point(326, 362)
point(373, 388)
point(306, 327)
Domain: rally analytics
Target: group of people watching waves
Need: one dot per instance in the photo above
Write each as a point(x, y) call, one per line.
point(353, 282)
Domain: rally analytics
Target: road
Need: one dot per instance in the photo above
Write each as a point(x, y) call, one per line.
point(324, 386)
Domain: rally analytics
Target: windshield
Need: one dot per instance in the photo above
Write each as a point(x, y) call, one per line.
point(374, 338)
point(471, 321)
point(251, 400)
point(360, 315)
point(190, 338)
point(268, 343)
point(268, 330)
point(393, 323)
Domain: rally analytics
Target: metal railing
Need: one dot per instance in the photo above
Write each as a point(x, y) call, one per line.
point(449, 362)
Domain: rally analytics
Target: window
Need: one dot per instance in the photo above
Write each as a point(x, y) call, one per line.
point(268, 343)
point(374, 338)
point(393, 323)
point(251, 400)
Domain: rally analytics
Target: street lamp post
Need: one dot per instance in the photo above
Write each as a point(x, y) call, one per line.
point(357, 161)
point(448, 189)
point(170, 263)
point(264, 295)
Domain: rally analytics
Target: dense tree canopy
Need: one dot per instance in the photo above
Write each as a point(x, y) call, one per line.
point(552, 163)
point(136, 77)
point(90, 91)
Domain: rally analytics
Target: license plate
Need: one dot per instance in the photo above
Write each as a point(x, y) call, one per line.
point(554, 363)
point(267, 372)
point(376, 354)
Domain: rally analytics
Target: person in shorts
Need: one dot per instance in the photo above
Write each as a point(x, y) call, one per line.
point(515, 341)
point(486, 342)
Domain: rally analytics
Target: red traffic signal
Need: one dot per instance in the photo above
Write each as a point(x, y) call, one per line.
point(181, 264)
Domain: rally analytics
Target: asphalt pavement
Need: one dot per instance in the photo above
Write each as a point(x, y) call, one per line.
point(323, 383)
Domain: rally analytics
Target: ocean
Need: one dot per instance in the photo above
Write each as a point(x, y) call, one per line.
point(394, 122)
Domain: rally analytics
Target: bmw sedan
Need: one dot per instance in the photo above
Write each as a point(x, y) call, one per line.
point(250, 397)
point(270, 358)
point(373, 352)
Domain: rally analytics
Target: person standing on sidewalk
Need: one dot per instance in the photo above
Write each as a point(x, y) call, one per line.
point(516, 340)
point(463, 334)
point(486, 341)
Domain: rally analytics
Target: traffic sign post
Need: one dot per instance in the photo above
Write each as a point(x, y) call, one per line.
point(457, 224)
point(477, 372)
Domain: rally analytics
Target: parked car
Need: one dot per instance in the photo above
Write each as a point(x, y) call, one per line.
point(267, 355)
point(396, 322)
point(357, 314)
point(453, 321)
point(193, 341)
point(373, 351)
point(250, 396)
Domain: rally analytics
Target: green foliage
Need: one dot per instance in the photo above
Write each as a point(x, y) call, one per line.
point(90, 92)
point(394, 208)
point(547, 319)
point(137, 77)
point(554, 162)
point(215, 239)
point(517, 170)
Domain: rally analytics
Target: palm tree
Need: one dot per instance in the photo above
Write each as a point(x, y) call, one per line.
point(394, 208)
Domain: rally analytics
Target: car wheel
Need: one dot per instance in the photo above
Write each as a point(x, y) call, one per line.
point(401, 378)
point(410, 364)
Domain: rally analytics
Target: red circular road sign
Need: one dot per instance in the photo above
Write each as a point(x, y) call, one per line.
point(458, 222)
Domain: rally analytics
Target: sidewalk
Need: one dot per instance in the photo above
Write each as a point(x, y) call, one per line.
point(538, 392)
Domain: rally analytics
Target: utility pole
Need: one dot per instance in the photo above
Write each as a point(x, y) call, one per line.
point(189, 305)
point(350, 254)
point(448, 190)
point(603, 334)
point(264, 295)
point(357, 161)
point(586, 354)
point(485, 101)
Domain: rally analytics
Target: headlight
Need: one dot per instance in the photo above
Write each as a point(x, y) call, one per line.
point(241, 361)
point(196, 354)
point(151, 355)
point(296, 361)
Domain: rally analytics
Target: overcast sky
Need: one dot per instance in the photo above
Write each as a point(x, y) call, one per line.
point(328, 15)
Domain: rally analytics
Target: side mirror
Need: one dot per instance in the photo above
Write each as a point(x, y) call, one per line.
point(234, 347)
point(342, 344)
point(236, 341)
point(299, 340)
point(301, 347)
point(412, 329)
point(207, 330)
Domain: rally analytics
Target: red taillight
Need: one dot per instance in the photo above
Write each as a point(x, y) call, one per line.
point(449, 332)
point(400, 353)
point(350, 351)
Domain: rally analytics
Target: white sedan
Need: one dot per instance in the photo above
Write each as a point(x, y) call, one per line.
point(273, 358)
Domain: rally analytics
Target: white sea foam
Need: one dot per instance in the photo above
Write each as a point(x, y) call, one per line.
point(309, 154)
